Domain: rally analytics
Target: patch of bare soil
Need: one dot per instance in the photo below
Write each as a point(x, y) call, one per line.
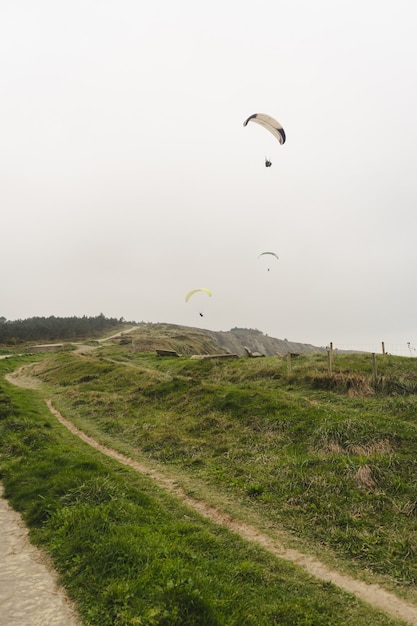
point(21, 379)
point(373, 594)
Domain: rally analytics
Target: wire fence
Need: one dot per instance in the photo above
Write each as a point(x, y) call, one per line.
point(405, 349)
point(376, 353)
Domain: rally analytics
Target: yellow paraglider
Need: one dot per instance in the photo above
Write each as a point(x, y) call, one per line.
point(193, 291)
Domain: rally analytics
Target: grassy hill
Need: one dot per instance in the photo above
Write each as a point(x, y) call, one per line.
point(326, 461)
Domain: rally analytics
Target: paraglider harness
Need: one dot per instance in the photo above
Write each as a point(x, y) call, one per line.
point(267, 163)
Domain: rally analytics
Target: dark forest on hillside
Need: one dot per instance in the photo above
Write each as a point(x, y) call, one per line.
point(56, 328)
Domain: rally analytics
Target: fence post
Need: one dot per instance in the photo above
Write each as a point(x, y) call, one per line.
point(330, 358)
point(289, 364)
point(383, 347)
point(374, 367)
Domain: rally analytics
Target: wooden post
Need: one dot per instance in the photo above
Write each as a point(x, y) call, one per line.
point(383, 347)
point(330, 358)
point(374, 367)
point(289, 364)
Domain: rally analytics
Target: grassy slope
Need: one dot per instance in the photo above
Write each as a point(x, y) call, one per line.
point(273, 444)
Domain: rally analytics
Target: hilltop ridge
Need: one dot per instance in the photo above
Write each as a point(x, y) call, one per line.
point(147, 337)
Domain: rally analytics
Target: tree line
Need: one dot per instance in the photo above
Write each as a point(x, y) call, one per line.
point(56, 328)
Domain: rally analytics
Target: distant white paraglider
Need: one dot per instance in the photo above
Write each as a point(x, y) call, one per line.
point(270, 254)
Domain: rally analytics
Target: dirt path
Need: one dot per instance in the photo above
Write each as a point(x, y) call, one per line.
point(373, 594)
point(29, 594)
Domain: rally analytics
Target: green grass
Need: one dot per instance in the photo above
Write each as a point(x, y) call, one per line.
point(331, 463)
point(274, 443)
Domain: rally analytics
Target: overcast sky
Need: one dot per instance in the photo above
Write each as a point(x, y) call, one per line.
point(128, 179)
